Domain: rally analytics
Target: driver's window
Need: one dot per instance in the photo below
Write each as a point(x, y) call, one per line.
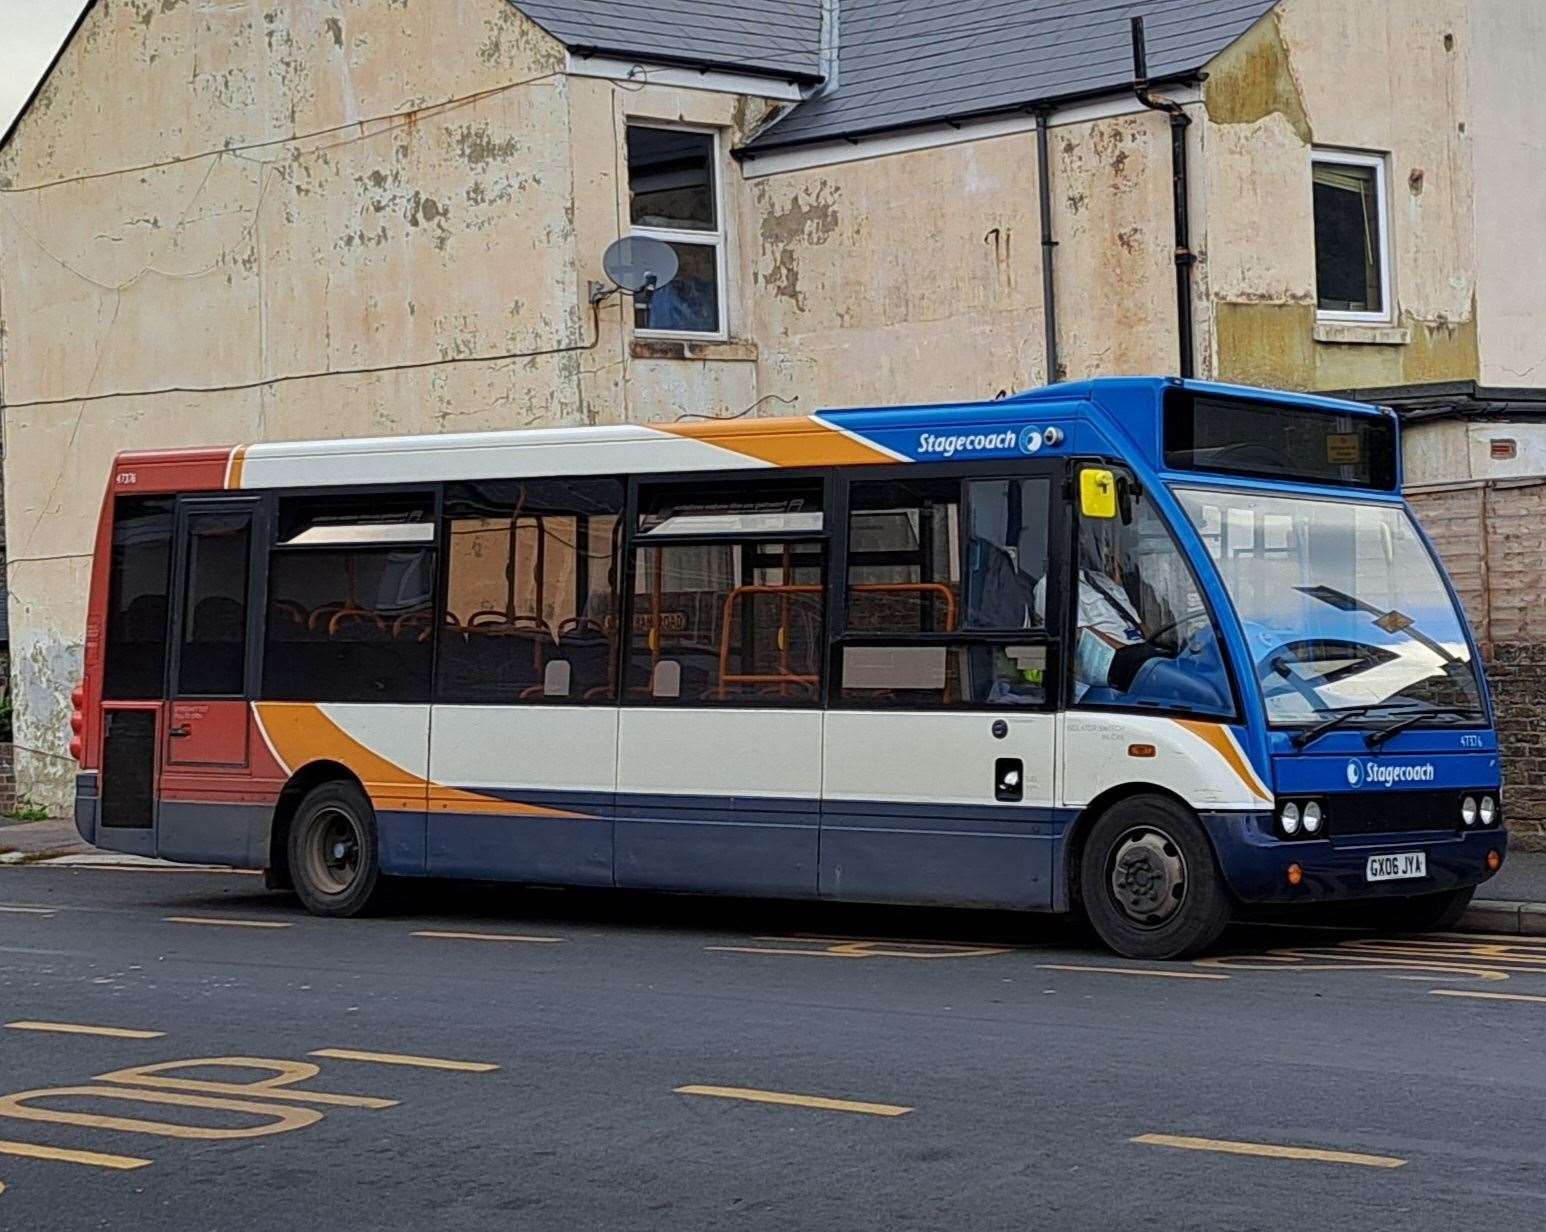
point(1143, 635)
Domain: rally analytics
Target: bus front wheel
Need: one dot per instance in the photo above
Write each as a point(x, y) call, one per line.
point(1149, 882)
point(334, 856)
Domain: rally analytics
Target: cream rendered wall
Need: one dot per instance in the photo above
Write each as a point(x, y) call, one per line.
point(325, 215)
point(1508, 135)
point(1388, 77)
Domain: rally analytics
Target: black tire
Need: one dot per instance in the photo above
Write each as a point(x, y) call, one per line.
point(334, 854)
point(1173, 903)
point(1422, 913)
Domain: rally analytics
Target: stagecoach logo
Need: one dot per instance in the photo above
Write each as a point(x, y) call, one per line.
point(1387, 776)
point(968, 444)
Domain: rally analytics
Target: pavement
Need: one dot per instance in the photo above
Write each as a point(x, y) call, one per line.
point(185, 1050)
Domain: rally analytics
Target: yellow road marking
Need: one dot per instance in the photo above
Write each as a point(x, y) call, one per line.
point(28, 1150)
point(224, 921)
point(395, 1058)
point(1268, 1150)
point(1108, 970)
point(1486, 996)
point(27, 910)
point(860, 947)
point(286, 1075)
point(799, 1101)
point(80, 1028)
point(450, 936)
point(281, 1120)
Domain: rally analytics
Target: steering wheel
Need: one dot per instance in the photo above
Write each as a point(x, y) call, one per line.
point(1186, 618)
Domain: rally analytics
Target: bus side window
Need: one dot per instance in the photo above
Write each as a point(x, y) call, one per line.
point(140, 582)
point(531, 592)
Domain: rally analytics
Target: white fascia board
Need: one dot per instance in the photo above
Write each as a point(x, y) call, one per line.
point(931, 136)
point(642, 72)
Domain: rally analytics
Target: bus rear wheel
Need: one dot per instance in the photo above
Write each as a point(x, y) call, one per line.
point(334, 855)
point(1149, 883)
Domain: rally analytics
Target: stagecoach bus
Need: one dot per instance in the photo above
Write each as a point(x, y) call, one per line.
point(1155, 650)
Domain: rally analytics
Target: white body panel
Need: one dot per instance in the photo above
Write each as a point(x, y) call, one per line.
point(395, 733)
point(1200, 762)
point(720, 752)
point(933, 757)
point(544, 748)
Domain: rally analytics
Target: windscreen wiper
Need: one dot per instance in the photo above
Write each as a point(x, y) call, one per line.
point(1312, 734)
point(1376, 738)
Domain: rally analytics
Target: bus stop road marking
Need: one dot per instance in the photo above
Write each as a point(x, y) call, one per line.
point(1109, 970)
point(798, 1101)
point(80, 1028)
point(1486, 996)
point(440, 935)
point(1270, 1151)
point(847, 947)
point(95, 1159)
point(224, 921)
point(395, 1058)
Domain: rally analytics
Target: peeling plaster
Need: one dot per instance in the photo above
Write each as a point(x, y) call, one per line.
point(1254, 78)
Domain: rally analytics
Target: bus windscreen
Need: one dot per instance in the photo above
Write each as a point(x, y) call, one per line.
point(1294, 443)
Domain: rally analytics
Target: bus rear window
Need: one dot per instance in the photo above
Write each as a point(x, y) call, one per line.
point(1300, 444)
point(140, 579)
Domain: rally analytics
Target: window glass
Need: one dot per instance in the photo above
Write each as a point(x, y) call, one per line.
point(904, 557)
point(140, 581)
point(1142, 634)
point(349, 625)
point(1006, 552)
point(763, 509)
point(728, 623)
point(530, 608)
point(212, 659)
point(1347, 238)
point(377, 517)
point(690, 301)
point(671, 179)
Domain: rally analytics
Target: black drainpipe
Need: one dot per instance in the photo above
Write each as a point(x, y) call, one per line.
point(1185, 257)
point(1049, 303)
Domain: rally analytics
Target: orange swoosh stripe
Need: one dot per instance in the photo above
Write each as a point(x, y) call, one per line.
point(233, 474)
point(1226, 748)
point(783, 442)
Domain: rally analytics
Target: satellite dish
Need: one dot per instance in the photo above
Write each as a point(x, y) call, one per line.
point(638, 264)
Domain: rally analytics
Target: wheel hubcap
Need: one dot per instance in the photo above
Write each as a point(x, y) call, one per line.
point(1148, 876)
point(333, 851)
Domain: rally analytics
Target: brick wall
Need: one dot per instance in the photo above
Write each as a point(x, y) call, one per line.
point(7, 780)
point(1492, 537)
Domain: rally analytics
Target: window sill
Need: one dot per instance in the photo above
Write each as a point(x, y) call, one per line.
point(1362, 334)
point(683, 348)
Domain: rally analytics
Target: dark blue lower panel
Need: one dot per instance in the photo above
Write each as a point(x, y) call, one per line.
point(543, 850)
point(717, 846)
point(1255, 863)
point(979, 856)
point(206, 833)
point(86, 807)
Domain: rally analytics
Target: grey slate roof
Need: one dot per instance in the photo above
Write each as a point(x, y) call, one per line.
point(907, 62)
point(776, 36)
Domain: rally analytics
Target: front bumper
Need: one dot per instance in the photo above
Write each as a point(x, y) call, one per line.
point(1255, 862)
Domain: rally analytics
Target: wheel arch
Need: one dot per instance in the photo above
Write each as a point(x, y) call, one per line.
point(1078, 831)
point(304, 780)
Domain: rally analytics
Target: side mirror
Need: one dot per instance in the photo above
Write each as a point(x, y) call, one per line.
point(1097, 493)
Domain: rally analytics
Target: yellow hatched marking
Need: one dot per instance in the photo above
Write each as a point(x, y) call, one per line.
point(1484, 958)
point(859, 947)
point(798, 1101)
point(441, 935)
point(27, 910)
point(224, 921)
point(395, 1058)
point(1109, 970)
point(1486, 996)
point(29, 1150)
point(80, 1028)
point(1269, 1151)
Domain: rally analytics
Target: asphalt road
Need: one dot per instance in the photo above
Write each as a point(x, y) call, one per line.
point(567, 1061)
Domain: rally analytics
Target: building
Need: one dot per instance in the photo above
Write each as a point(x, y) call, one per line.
point(375, 216)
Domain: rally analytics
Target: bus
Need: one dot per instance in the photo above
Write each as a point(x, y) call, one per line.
point(1159, 651)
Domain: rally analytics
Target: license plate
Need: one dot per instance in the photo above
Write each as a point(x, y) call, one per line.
point(1401, 867)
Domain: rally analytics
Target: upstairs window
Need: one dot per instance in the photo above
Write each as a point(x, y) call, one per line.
point(673, 196)
point(1352, 251)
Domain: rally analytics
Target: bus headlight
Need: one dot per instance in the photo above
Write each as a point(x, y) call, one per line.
point(1488, 812)
point(1312, 818)
point(1468, 810)
point(1289, 819)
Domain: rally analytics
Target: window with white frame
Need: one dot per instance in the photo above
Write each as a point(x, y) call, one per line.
point(1352, 244)
point(674, 196)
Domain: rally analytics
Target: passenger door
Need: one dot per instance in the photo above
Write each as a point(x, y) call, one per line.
point(719, 740)
point(206, 806)
point(938, 753)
